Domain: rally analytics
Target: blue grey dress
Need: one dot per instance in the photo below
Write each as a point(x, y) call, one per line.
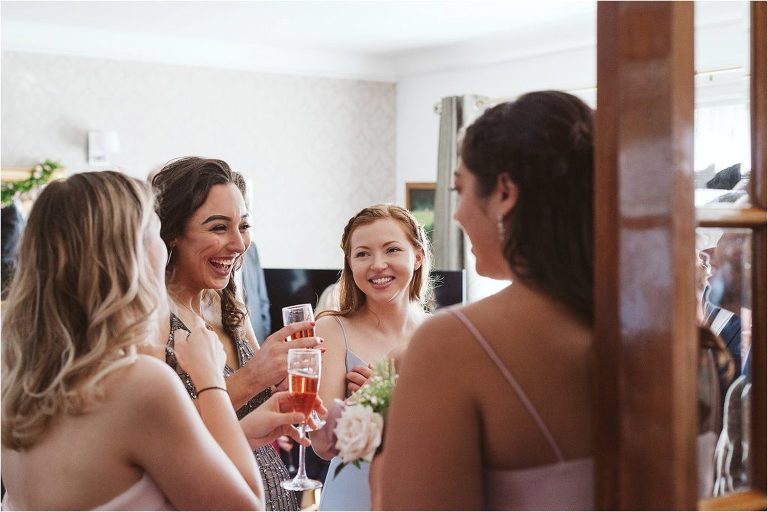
point(272, 469)
point(349, 490)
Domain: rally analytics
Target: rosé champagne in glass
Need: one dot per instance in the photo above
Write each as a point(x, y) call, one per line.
point(299, 313)
point(303, 382)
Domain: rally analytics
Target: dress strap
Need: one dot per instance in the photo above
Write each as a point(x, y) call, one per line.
point(346, 343)
point(511, 380)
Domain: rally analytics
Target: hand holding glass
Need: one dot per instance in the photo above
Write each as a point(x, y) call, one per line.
point(303, 383)
point(295, 314)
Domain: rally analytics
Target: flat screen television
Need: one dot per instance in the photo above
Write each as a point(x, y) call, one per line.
point(288, 286)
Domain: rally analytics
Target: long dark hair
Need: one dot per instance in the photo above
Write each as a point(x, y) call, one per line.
point(182, 187)
point(543, 142)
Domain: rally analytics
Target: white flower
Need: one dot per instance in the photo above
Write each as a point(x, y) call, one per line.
point(358, 433)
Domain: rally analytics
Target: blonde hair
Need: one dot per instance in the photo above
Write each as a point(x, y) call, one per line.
point(351, 298)
point(83, 295)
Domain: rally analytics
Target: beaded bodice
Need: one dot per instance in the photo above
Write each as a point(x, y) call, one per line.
point(273, 471)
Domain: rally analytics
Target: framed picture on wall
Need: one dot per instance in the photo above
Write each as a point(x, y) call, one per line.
point(420, 200)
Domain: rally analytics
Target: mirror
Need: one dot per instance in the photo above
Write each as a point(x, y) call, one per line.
point(724, 293)
point(722, 159)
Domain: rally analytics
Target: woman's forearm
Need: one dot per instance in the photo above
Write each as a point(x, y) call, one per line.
point(243, 385)
point(221, 421)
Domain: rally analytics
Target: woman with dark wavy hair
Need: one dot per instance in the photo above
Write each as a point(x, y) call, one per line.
point(205, 225)
point(492, 408)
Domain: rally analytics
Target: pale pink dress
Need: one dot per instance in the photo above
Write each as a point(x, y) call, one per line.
point(143, 495)
point(564, 485)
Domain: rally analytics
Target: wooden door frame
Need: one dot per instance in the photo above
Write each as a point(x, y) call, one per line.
point(646, 345)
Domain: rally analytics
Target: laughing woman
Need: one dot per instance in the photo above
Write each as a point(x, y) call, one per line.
point(205, 226)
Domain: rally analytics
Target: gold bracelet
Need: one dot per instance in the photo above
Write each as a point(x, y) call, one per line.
point(199, 391)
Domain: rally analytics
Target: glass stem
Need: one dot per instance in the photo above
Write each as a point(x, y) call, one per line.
point(301, 474)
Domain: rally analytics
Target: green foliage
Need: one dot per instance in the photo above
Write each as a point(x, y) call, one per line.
point(377, 392)
point(38, 175)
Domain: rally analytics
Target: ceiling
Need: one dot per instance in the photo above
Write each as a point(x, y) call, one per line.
point(355, 39)
point(357, 27)
point(376, 39)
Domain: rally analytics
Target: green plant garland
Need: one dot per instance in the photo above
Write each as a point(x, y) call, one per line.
point(38, 175)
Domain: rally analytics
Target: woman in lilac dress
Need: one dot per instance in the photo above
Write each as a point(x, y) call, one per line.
point(384, 295)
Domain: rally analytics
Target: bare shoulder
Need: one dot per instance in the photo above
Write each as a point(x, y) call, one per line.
point(147, 383)
point(441, 333)
point(329, 329)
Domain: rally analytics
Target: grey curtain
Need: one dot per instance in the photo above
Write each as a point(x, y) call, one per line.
point(456, 113)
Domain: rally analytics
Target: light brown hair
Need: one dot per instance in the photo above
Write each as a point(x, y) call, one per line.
point(351, 298)
point(84, 294)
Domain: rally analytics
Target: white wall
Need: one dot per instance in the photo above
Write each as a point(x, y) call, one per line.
point(315, 149)
point(418, 125)
point(556, 56)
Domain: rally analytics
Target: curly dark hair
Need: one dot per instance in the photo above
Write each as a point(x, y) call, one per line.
point(182, 186)
point(543, 142)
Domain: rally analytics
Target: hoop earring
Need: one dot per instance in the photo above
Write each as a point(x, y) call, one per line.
point(170, 253)
point(500, 228)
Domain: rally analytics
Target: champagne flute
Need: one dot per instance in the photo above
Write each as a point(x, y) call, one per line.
point(302, 313)
point(296, 314)
point(303, 382)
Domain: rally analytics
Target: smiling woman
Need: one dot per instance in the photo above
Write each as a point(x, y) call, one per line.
point(384, 295)
point(205, 227)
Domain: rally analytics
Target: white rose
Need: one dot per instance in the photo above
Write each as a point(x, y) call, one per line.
point(358, 433)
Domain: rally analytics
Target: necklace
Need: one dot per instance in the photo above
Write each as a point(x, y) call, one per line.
point(201, 317)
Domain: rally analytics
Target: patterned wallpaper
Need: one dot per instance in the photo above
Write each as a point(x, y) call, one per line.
point(314, 150)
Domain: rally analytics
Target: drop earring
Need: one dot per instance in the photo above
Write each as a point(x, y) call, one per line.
point(170, 253)
point(500, 228)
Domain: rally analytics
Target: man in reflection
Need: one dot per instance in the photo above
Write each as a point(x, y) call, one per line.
point(727, 298)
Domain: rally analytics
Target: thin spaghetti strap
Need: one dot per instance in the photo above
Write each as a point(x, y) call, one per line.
point(511, 380)
point(343, 331)
point(346, 344)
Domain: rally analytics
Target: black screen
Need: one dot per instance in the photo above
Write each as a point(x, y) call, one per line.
point(288, 286)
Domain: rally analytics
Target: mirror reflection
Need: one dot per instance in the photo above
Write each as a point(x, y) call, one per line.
point(722, 160)
point(723, 290)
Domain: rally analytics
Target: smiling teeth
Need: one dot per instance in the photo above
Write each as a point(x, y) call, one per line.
point(222, 262)
point(382, 280)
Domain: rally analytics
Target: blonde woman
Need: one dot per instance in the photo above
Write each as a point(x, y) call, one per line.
point(87, 421)
point(384, 290)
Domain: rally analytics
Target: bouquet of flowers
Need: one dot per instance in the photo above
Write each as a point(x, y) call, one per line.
point(360, 428)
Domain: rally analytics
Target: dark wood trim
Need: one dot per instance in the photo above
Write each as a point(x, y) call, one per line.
point(758, 441)
point(758, 101)
point(730, 217)
point(759, 133)
point(750, 500)
point(645, 338)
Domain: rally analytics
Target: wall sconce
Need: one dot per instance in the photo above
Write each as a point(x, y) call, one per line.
point(101, 143)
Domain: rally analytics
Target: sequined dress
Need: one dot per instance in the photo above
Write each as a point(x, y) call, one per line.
point(272, 469)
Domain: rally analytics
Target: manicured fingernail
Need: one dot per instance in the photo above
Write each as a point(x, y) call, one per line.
point(312, 324)
point(321, 340)
point(322, 350)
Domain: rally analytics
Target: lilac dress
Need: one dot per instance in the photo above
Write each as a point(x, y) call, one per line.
point(350, 489)
point(564, 485)
point(272, 469)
